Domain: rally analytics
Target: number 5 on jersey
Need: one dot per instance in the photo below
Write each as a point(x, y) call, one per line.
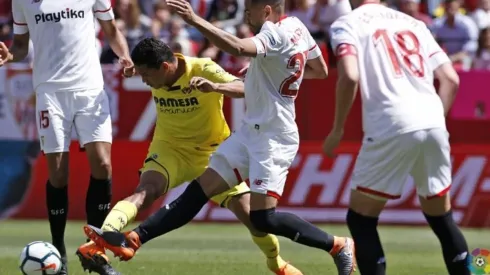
point(44, 119)
point(407, 46)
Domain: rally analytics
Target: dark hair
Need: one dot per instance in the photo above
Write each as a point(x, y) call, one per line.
point(151, 53)
point(278, 5)
point(481, 41)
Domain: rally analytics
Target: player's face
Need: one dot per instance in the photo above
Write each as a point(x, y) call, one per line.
point(152, 77)
point(256, 15)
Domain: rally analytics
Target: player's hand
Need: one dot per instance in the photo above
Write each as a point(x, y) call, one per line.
point(203, 85)
point(331, 142)
point(128, 66)
point(184, 9)
point(5, 55)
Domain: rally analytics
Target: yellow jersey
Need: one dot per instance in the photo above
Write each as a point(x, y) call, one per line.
point(188, 117)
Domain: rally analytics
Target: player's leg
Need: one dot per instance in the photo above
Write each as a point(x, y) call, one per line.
point(183, 209)
point(162, 170)
point(93, 125)
point(238, 201)
point(94, 128)
point(432, 176)
point(381, 170)
point(161, 162)
point(54, 131)
point(270, 158)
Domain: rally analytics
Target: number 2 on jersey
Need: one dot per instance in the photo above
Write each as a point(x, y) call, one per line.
point(408, 45)
point(299, 60)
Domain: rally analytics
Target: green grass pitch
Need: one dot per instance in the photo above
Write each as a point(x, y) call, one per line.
point(217, 249)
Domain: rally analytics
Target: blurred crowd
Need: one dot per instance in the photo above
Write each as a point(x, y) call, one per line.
point(462, 27)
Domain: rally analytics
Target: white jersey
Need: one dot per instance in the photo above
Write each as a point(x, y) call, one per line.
point(63, 34)
point(275, 74)
point(397, 57)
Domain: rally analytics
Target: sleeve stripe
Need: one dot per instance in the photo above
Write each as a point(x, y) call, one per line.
point(20, 24)
point(265, 48)
point(102, 11)
point(312, 48)
point(434, 53)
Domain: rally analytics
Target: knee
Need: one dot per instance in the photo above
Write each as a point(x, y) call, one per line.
point(358, 222)
point(240, 206)
point(263, 220)
point(102, 169)
point(59, 179)
point(149, 191)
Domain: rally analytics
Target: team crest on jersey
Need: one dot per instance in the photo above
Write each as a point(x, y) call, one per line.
point(186, 90)
point(154, 156)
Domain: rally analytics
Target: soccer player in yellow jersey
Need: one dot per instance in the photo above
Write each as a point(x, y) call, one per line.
point(188, 94)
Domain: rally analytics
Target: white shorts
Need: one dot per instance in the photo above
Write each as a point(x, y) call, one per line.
point(383, 166)
point(58, 112)
point(262, 157)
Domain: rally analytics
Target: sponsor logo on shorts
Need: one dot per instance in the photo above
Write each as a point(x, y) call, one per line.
point(478, 261)
point(177, 105)
point(58, 16)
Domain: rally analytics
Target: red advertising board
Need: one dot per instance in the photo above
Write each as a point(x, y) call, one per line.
point(317, 188)
point(314, 109)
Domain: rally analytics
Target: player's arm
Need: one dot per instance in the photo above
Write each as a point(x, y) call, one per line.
point(316, 67)
point(104, 14)
point(441, 65)
point(344, 44)
point(216, 79)
point(20, 44)
point(221, 39)
point(234, 89)
point(448, 85)
point(347, 83)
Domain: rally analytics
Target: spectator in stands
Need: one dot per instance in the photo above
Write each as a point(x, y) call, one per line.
point(480, 110)
point(457, 33)
point(482, 56)
point(326, 12)
point(178, 36)
point(5, 11)
point(236, 63)
point(226, 14)
point(160, 20)
point(132, 23)
point(304, 11)
point(412, 8)
point(209, 50)
point(481, 15)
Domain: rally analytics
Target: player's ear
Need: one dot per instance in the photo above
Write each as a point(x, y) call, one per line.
point(267, 10)
point(164, 66)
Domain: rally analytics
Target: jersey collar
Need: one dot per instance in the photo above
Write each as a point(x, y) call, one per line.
point(185, 76)
point(369, 2)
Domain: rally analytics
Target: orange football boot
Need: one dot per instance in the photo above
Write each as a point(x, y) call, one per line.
point(123, 245)
point(93, 259)
point(288, 269)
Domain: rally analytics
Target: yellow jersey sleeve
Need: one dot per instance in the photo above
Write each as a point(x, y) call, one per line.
point(213, 72)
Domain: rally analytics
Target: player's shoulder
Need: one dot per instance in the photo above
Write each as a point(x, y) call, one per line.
point(198, 64)
point(275, 32)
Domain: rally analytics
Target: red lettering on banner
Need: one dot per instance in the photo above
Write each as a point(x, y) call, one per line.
point(311, 174)
point(466, 179)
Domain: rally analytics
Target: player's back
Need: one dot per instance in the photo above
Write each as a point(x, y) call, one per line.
point(395, 53)
point(275, 74)
point(63, 35)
